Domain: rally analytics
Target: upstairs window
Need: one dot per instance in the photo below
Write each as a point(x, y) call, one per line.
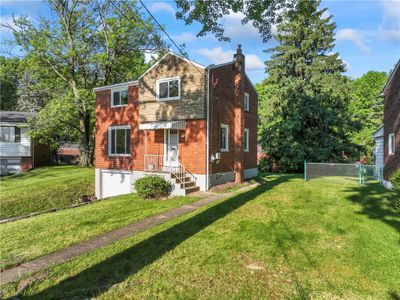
point(169, 89)
point(246, 102)
point(119, 98)
point(10, 134)
point(119, 141)
point(392, 143)
point(246, 140)
point(224, 138)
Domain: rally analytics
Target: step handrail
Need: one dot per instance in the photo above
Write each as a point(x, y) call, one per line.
point(184, 172)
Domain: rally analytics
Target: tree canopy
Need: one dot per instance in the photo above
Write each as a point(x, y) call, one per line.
point(306, 116)
point(262, 14)
point(366, 108)
point(82, 44)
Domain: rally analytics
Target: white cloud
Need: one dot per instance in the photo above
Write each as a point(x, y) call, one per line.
point(389, 34)
point(184, 37)
point(391, 9)
point(253, 62)
point(238, 31)
point(218, 56)
point(355, 36)
point(149, 56)
point(162, 6)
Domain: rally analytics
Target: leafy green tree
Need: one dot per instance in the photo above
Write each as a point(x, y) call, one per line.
point(262, 14)
point(306, 118)
point(9, 76)
point(366, 108)
point(82, 45)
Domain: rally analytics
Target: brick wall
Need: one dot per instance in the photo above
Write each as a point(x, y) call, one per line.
point(192, 142)
point(392, 124)
point(107, 116)
point(222, 111)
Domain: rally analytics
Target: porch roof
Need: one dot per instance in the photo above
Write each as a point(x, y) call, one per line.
point(181, 125)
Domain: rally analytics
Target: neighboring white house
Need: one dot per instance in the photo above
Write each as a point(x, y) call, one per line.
point(378, 151)
point(17, 152)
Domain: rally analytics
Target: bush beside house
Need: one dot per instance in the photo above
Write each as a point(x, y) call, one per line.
point(152, 187)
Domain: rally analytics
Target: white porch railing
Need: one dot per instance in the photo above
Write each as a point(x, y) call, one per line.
point(155, 163)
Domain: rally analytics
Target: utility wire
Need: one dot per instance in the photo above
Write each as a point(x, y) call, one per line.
point(169, 37)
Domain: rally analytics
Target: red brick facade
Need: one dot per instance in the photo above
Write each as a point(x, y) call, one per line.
point(227, 85)
point(224, 107)
point(392, 123)
point(192, 142)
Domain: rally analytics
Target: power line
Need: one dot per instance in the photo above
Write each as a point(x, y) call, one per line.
point(148, 29)
point(169, 37)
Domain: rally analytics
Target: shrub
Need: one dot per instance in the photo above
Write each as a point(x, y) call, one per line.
point(395, 179)
point(152, 186)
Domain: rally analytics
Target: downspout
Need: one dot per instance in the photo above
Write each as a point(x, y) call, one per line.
point(208, 131)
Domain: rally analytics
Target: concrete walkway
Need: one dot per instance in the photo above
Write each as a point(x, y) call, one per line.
point(71, 252)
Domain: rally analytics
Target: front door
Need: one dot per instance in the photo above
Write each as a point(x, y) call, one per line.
point(171, 147)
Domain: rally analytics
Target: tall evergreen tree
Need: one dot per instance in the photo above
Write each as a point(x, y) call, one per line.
point(307, 115)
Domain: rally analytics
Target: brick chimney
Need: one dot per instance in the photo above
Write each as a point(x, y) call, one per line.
point(238, 81)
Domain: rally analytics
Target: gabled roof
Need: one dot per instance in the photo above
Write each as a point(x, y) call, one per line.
point(136, 82)
point(391, 78)
point(174, 54)
point(379, 132)
point(15, 116)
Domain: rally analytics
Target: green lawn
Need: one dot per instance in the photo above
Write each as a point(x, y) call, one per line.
point(43, 189)
point(286, 238)
point(27, 239)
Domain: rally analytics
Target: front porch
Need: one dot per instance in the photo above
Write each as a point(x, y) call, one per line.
point(162, 154)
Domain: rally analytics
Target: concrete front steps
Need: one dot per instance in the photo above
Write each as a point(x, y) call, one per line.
point(184, 188)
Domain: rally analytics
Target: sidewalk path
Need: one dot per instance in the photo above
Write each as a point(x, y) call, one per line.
point(71, 252)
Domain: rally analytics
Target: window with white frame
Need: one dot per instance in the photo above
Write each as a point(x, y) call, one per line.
point(119, 97)
point(119, 141)
point(246, 102)
point(246, 140)
point(392, 143)
point(10, 134)
point(169, 89)
point(224, 137)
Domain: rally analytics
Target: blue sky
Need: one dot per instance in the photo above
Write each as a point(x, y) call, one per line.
point(367, 35)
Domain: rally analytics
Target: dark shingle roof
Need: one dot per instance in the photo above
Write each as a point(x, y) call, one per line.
point(15, 116)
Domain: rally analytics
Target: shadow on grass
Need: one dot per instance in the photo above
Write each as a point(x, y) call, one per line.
point(377, 203)
point(97, 279)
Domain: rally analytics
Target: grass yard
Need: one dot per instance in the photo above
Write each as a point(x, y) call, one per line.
point(43, 189)
point(27, 239)
point(286, 238)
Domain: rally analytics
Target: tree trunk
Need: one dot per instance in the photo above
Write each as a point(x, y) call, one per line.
point(85, 158)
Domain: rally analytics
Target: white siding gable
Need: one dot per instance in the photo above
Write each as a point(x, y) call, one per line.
point(16, 149)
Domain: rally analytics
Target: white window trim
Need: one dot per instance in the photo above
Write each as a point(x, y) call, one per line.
point(167, 80)
point(226, 148)
point(121, 89)
point(109, 139)
point(248, 102)
point(391, 150)
point(247, 140)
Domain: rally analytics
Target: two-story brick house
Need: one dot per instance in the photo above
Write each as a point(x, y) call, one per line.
point(194, 125)
point(391, 125)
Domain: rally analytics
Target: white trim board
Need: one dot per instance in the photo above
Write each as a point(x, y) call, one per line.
point(117, 85)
